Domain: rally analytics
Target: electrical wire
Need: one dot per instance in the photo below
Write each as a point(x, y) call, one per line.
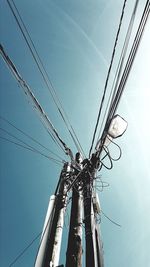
point(120, 64)
point(24, 250)
point(35, 104)
point(119, 90)
point(45, 76)
point(106, 155)
point(108, 75)
point(120, 151)
point(129, 63)
point(33, 150)
point(76, 178)
point(30, 137)
point(110, 219)
point(43, 233)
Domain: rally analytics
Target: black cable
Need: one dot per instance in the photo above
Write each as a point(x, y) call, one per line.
point(24, 250)
point(108, 168)
point(44, 73)
point(120, 64)
point(33, 150)
point(77, 177)
point(30, 137)
point(110, 219)
point(128, 66)
point(129, 63)
point(26, 144)
point(120, 151)
point(34, 102)
point(107, 78)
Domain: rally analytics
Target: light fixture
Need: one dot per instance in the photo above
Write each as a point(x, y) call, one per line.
point(117, 127)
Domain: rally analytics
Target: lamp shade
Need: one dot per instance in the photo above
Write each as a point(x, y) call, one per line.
point(117, 126)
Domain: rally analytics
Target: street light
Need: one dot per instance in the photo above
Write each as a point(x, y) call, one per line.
point(117, 127)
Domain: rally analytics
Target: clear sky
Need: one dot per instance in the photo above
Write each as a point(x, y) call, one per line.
point(75, 41)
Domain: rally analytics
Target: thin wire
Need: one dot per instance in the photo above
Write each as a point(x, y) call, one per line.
point(129, 63)
point(116, 99)
point(35, 104)
point(20, 140)
point(24, 250)
point(110, 219)
point(120, 64)
point(33, 150)
point(108, 75)
point(76, 178)
point(108, 168)
point(50, 216)
point(120, 151)
point(30, 137)
point(45, 75)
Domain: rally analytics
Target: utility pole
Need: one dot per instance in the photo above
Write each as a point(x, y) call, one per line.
point(74, 250)
point(88, 214)
point(94, 249)
point(49, 251)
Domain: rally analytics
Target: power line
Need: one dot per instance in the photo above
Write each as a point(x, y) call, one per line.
point(110, 219)
point(128, 66)
point(24, 250)
point(30, 149)
point(120, 64)
point(118, 91)
point(108, 75)
point(45, 76)
point(30, 137)
point(35, 104)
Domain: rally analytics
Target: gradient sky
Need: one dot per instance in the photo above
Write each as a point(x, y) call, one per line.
point(75, 41)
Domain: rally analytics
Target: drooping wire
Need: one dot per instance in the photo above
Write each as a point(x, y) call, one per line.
point(110, 219)
point(110, 160)
point(33, 150)
point(24, 250)
point(107, 78)
point(120, 151)
point(45, 76)
point(30, 137)
point(35, 104)
point(120, 64)
point(42, 234)
point(100, 187)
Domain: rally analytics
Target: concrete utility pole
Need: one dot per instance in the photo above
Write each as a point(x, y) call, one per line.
point(94, 250)
point(52, 234)
point(74, 250)
point(88, 213)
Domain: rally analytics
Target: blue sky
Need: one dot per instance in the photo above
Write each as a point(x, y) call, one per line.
point(75, 41)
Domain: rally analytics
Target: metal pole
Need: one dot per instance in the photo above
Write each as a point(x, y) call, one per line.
point(74, 250)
